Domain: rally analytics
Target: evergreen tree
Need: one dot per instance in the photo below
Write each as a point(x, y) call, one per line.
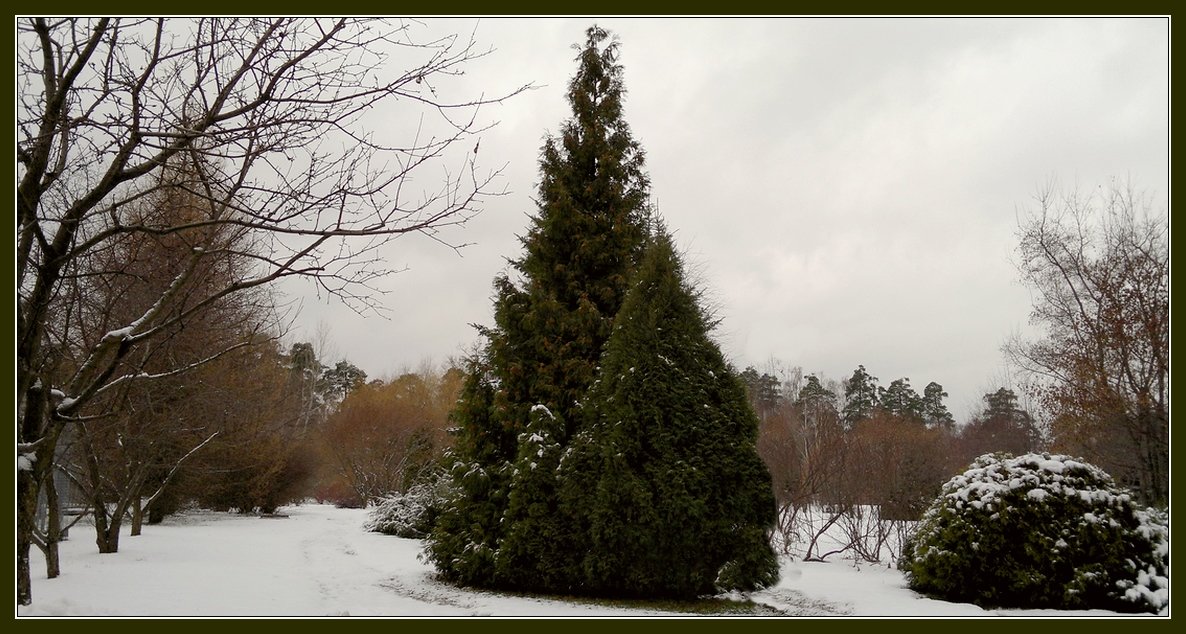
point(342, 379)
point(583, 245)
point(666, 478)
point(1003, 426)
point(814, 393)
point(860, 396)
point(305, 383)
point(900, 400)
point(463, 542)
point(535, 552)
point(550, 327)
point(763, 392)
point(1003, 404)
point(934, 412)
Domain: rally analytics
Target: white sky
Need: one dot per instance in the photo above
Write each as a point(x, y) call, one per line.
point(847, 189)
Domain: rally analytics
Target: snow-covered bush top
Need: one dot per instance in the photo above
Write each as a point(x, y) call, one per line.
point(1039, 475)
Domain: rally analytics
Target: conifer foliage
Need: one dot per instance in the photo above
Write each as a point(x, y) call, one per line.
point(605, 446)
point(550, 327)
point(666, 476)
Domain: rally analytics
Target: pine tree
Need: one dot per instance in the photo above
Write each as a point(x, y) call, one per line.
point(934, 412)
point(813, 393)
point(900, 400)
point(860, 396)
point(816, 403)
point(550, 327)
point(763, 391)
point(1002, 426)
point(666, 478)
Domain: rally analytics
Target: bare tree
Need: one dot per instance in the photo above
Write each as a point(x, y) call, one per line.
point(897, 464)
point(1098, 267)
point(118, 479)
point(802, 443)
point(269, 113)
point(149, 428)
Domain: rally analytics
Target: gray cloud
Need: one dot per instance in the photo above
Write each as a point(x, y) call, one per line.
point(846, 188)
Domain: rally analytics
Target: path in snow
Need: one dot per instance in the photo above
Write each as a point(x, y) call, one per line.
point(317, 561)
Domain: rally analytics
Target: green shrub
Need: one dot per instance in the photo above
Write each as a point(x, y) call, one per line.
point(1039, 531)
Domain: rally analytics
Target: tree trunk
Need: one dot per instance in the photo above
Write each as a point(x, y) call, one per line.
point(107, 526)
point(107, 531)
point(1157, 457)
point(53, 528)
point(107, 521)
point(100, 517)
point(26, 518)
point(36, 427)
point(110, 543)
point(137, 515)
point(52, 560)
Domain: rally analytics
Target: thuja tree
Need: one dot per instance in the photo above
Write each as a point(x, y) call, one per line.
point(665, 478)
point(551, 324)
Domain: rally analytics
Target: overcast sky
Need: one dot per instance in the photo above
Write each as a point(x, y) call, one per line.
point(846, 189)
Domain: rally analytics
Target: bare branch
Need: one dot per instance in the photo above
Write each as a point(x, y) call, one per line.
point(235, 151)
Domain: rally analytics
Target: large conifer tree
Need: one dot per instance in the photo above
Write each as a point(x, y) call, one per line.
point(665, 479)
point(648, 482)
point(521, 402)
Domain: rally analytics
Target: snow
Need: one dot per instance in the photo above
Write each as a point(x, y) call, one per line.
point(1037, 494)
point(120, 333)
point(987, 483)
point(1053, 466)
point(319, 561)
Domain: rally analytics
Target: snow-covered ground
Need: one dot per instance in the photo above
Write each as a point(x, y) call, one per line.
point(319, 561)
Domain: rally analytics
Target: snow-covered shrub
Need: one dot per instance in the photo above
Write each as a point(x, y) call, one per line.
point(1039, 531)
point(410, 514)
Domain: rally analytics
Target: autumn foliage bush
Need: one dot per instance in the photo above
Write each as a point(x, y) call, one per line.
point(273, 474)
point(384, 437)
